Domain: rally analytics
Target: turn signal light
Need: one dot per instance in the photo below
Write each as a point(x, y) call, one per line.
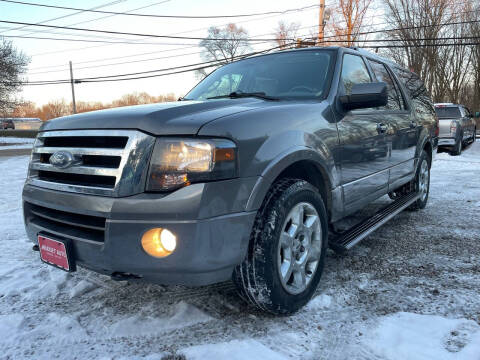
point(159, 242)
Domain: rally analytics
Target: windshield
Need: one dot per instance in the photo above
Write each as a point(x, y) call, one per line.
point(289, 75)
point(448, 112)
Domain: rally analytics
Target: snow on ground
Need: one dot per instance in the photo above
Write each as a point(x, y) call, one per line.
point(408, 291)
point(15, 143)
point(16, 140)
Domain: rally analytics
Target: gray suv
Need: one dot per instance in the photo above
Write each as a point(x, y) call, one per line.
point(245, 178)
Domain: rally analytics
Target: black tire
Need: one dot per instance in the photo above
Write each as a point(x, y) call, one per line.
point(457, 150)
point(422, 202)
point(257, 278)
point(474, 137)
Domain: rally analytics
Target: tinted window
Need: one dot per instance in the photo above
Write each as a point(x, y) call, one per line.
point(448, 112)
point(418, 94)
point(395, 102)
point(354, 71)
point(302, 74)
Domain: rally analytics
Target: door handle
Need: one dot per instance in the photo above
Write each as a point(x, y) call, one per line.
point(382, 128)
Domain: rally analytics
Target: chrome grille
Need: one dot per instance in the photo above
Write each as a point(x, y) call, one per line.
point(106, 162)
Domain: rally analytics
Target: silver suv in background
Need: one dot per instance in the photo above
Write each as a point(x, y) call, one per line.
point(457, 127)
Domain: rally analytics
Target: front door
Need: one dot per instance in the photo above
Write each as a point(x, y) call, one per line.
point(364, 147)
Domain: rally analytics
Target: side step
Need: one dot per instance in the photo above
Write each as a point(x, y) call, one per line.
point(353, 236)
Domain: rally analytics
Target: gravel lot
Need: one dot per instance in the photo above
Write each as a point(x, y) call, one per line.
point(408, 291)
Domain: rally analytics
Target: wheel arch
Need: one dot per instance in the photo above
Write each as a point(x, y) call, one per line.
point(301, 163)
point(429, 150)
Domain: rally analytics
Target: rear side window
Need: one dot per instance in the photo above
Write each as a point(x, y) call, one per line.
point(418, 94)
point(395, 101)
point(448, 112)
point(354, 71)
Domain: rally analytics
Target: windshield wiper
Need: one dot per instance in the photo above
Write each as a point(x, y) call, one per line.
point(239, 94)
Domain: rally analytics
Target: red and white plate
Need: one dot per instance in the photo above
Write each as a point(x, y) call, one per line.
point(54, 252)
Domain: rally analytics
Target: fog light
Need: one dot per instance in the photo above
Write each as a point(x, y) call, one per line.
point(159, 242)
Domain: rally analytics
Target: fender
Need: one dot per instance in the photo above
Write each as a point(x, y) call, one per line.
point(281, 162)
point(424, 139)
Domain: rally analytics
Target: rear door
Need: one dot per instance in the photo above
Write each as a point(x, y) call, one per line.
point(364, 149)
point(404, 132)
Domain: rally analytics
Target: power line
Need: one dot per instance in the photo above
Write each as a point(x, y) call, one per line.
point(216, 39)
point(199, 52)
point(158, 16)
point(121, 57)
point(213, 63)
point(89, 41)
point(128, 11)
point(30, 32)
point(177, 33)
point(121, 33)
point(65, 16)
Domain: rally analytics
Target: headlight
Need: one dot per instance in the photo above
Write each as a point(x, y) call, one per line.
point(179, 162)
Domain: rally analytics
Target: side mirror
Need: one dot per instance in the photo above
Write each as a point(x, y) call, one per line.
point(477, 114)
point(368, 95)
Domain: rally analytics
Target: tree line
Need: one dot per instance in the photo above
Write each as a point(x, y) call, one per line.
point(57, 108)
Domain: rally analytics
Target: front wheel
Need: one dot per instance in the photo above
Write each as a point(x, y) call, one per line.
point(287, 249)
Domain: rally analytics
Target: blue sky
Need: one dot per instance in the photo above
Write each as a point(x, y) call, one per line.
point(52, 56)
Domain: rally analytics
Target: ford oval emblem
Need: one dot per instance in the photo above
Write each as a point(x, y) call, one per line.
point(62, 159)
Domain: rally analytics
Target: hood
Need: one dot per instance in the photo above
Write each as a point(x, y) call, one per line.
point(175, 118)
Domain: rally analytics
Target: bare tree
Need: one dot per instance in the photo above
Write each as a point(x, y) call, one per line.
point(452, 69)
point(346, 21)
point(419, 24)
point(224, 45)
point(475, 31)
point(432, 38)
point(285, 32)
point(13, 65)
point(55, 109)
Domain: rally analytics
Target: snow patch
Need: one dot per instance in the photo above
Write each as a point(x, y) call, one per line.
point(233, 350)
point(183, 315)
point(16, 140)
point(319, 302)
point(424, 337)
point(9, 326)
point(82, 288)
point(31, 284)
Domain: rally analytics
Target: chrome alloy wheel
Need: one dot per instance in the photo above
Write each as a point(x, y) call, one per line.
point(300, 248)
point(423, 181)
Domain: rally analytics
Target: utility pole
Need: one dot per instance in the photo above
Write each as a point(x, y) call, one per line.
point(321, 22)
point(73, 89)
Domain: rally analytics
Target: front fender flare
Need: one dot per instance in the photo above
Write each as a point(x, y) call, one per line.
point(280, 163)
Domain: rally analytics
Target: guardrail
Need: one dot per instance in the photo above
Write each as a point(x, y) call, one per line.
point(19, 133)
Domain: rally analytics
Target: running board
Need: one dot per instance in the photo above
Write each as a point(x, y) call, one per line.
point(353, 236)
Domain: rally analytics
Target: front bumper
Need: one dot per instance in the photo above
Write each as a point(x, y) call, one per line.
point(209, 220)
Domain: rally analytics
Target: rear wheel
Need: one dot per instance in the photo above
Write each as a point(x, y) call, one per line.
point(457, 150)
point(422, 182)
point(474, 136)
point(287, 249)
